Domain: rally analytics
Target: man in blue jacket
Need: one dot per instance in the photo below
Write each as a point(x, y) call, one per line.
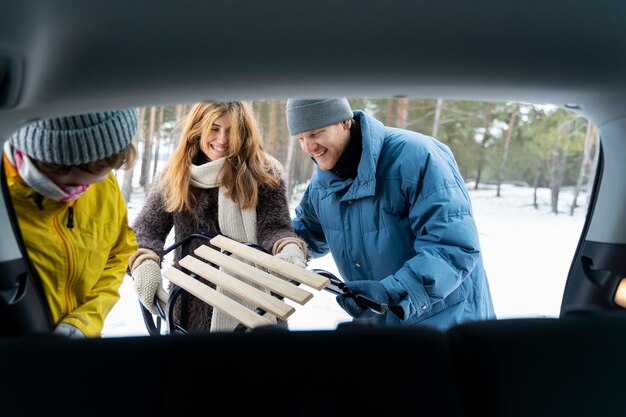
point(392, 208)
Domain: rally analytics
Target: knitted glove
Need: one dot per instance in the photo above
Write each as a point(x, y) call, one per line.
point(370, 289)
point(68, 330)
point(148, 285)
point(292, 254)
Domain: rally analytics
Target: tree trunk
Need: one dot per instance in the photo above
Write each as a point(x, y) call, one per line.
point(584, 166)
point(559, 157)
point(272, 133)
point(479, 169)
point(437, 120)
point(593, 170)
point(536, 181)
point(147, 149)
point(483, 143)
point(179, 114)
point(127, 185)
point(289, 178)
point(507, 142)
point(402, 115)
point(390, 112)
point(157, 145)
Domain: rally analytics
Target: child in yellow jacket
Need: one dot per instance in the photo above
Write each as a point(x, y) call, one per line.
point(71, 212)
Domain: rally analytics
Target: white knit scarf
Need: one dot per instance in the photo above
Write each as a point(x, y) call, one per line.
point(235, 223)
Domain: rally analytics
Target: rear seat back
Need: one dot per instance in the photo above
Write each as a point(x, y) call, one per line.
point(354, 371)
point(510, 368)
point(573, 366)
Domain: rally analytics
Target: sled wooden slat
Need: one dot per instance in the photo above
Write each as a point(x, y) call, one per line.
point(244, 315)
point(239, 288)
point(276, 285)
point(273, 263)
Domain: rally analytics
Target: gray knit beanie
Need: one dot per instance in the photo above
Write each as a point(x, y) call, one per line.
point(305, 115)
point(76, 140)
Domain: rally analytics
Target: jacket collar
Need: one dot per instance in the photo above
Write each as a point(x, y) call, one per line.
point(364, 185)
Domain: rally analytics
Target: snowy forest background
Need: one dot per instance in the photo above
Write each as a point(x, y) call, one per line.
point(527, 168)
point(516, 143)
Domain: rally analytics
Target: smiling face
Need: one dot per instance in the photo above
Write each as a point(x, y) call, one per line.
point(326, 145)
point(214, 142)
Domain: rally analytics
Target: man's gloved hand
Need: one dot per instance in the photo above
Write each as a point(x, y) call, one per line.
point(292, 254)
point(148, 284)
point(370, 289)
point(68, 330)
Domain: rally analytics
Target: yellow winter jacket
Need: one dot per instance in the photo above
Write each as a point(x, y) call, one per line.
point(80, 249)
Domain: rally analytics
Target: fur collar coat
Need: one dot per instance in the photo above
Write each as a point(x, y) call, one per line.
point(153, 225)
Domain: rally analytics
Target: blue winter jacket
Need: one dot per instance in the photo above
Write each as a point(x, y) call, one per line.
point(406, 220)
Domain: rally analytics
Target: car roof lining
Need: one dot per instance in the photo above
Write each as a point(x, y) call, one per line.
point(479, 50)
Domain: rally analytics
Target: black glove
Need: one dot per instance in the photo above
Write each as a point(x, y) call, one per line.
point(357, 308)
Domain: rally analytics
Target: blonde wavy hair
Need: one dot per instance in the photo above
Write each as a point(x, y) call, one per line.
point(246, 166)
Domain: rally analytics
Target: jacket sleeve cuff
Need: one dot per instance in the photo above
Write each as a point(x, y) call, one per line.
point(140, 256)
point(281, 243)
point(404, 305)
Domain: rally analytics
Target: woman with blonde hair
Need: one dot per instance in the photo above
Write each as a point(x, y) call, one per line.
point(219, 179)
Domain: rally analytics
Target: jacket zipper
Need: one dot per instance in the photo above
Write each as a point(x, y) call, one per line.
point(70, 213)
point(66, 242)
point(70, 217)
point(70, 263)
point(39, 201)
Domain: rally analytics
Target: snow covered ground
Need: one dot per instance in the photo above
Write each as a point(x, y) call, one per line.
point(527, 254)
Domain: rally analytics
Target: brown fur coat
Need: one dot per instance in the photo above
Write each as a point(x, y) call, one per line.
point(153, 225)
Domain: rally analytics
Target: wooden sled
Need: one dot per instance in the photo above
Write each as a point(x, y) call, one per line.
point(283, 281)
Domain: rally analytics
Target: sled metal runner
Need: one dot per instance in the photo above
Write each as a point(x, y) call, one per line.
point(251, 264)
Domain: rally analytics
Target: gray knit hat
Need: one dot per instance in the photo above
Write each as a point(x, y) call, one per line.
point(76, 140)
point(305, 115)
